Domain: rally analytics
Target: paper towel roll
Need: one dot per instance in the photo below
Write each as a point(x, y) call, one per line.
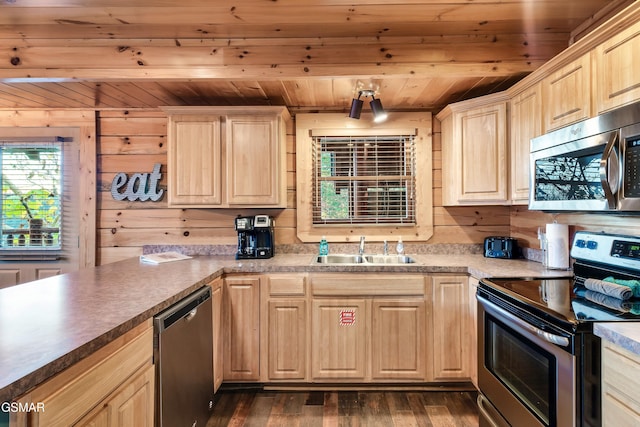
point(558, 246)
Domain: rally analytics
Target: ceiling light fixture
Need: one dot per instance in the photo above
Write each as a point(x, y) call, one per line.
point(379, 115)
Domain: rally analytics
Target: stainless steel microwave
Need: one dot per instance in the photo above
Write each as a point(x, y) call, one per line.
point(593, 165)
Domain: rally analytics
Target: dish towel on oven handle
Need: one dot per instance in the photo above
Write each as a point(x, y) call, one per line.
point(633, 284)
point(612, 289)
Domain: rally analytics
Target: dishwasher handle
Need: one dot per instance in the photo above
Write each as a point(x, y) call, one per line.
point(186, 309)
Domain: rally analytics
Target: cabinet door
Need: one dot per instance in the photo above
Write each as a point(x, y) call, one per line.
point(241, 328)
point(287, 339)
point(620, 386)
point(473, 329)
point(131, 405)
point(526, 123)
point(254, 161)
point(476, 171)
point(194, 161)
point(452, 345)
point(218, 355)
point(338, 341)
point(398, 339)
point(566, 94)
point(617, 81)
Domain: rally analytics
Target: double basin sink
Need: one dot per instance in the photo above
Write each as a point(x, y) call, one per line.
point(363, 259)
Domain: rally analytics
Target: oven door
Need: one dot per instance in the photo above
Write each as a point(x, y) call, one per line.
point(580, 175)
point(528, 375)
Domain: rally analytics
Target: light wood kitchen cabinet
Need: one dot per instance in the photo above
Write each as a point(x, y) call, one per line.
point(286, 327)
point(616, 80)
point(218, 341)
point(226, 156)
point(112, 387)
point(566, 94)
point(620, 386)
point(397, 339)
point(369, 327)
point(474, 152)
point(339, 339)
point(452, 345)
point(241, 296)
point(131, 405)
point(525, 123)
point(472, 324)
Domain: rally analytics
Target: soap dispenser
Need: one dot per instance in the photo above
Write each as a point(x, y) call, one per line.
point(400, 247)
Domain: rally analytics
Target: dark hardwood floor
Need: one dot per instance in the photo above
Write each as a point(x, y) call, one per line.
point(253, 408)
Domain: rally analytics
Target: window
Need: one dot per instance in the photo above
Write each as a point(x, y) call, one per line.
point(31, 207)
point(355, 178)
point(364, 179)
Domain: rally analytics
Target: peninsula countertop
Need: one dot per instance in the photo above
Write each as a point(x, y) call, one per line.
point(50, 324)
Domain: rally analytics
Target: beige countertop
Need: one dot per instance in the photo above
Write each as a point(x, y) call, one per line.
point(50, 324)
point(624, 334)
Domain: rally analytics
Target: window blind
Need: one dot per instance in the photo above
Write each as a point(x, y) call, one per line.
point(364, 179)
point(34, 175)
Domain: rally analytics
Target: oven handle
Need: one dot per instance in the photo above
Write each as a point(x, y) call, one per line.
point(546, 336)
point(604, 171)
point(489, 413)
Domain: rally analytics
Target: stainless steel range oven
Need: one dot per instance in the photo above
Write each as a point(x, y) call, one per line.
point(538, 359)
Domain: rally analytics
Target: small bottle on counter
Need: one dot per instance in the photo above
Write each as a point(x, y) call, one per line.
point(324, 246)
point(400, 247)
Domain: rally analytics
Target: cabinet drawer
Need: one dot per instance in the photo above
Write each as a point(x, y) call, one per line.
point(621, 371)
point(367, 284)
point(287, 284)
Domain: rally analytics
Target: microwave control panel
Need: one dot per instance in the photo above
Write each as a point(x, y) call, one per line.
point(632, 168)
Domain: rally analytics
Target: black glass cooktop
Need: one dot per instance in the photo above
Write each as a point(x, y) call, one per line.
point(563, 299)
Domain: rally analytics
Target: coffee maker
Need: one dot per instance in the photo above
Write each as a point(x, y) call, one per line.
point(255, 237)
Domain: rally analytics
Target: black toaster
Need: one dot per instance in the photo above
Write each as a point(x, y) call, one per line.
point(501, 247)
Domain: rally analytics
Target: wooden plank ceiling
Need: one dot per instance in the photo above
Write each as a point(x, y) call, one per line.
point(306, 54)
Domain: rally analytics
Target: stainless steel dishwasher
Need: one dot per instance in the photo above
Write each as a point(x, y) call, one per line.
point(183, 353)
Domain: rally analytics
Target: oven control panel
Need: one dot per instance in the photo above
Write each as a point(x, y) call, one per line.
point(612, 249)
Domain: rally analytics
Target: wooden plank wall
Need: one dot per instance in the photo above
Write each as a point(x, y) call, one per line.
point(525, 223)
point(134, 140)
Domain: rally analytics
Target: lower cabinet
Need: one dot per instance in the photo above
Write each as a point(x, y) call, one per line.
point(112, 387)
point(339, 339)
point(348, 327)
point(369, 328)
point(453, 346)
point(398, 349)
point(131, 405)
point(218, 342)
point(472, 324)
point(620, 386)
point(241, 323)
point(285, 326)
point(287, 339)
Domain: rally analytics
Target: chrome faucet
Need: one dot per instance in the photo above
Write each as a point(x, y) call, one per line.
point(385, 248)
point(361, 249)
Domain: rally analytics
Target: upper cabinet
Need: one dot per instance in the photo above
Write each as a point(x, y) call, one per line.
point(474, 151)
point(525, 123)
point(566, 94)
point(616, 80)
point(226, 156)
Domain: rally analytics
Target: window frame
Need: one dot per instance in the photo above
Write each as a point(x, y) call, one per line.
point(419, 124)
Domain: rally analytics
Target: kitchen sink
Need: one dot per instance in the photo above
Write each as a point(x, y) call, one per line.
point(340, 259)
point(388, 259)
point(363, 259)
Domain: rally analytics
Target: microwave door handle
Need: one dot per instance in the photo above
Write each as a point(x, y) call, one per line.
point(609, 151)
